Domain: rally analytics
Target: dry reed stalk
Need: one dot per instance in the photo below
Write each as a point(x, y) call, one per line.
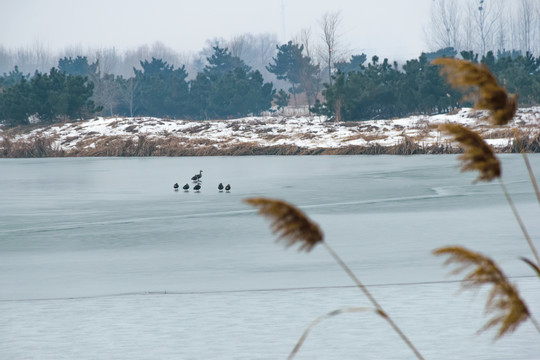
point(293, 226)
point(407, 146)
point(531, 175)
point(503, 301)
point(499, 133)
point(372, 137)
point(532, 265)
point(520, 221)
point(324, 317)
point(36, 146)
point(478, 154)
point(488, 94)
point(528, 164)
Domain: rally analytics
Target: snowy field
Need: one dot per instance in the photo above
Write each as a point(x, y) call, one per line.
point(302, 131)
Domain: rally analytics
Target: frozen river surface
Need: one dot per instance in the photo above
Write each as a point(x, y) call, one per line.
point(101, 259)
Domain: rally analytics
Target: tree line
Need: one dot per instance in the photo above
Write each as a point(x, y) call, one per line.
point(228, 88)
point(378, 89)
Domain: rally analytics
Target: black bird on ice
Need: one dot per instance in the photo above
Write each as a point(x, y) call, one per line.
point(197, 177)
point(176, 187)
point(186, 187)
point(220, 187)
point(228, 188)
point(197, 188)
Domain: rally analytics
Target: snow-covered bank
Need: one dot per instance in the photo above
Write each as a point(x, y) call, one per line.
point(80, 138)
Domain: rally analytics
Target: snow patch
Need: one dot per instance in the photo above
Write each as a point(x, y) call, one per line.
point(303, 131)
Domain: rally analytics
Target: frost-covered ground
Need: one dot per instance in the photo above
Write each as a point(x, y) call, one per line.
point(308, 132)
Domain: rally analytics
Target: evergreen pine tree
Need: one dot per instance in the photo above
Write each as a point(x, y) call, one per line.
point(227, 87)
point(291, 65)
point(162, 90)
point(77, 66)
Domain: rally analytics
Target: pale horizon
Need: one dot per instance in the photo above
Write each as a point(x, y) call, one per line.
point(394, 30)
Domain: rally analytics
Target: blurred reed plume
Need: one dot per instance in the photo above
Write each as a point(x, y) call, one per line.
point(478, 154)
point(293, 226)
point(487, 93)
point(289, 222)
point(503, 301)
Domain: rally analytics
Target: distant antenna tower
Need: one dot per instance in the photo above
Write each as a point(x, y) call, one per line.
point(283, 32)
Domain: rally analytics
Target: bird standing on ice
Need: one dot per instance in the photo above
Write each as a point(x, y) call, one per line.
point(220, 187)
point(197, 188)
point(186, 187)
point(176, 186)
point(197, 177)
point(228, 188)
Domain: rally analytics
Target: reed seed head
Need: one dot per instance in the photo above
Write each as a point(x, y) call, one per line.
point(487, 93)
point(478, 155)
point(291, 224)
point(503, 300)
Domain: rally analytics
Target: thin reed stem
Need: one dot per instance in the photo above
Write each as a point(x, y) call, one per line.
point(528, 164)
point(520, 222)
point(321, 318)
point(531, 174)
point(535, 323)
point(372, 299)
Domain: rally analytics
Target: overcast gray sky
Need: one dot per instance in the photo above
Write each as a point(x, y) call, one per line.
point(388, 28)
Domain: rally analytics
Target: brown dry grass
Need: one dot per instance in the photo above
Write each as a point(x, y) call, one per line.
point(69, 139)
point(177, 145)
point(273, 137)
point(197, 128)
point(181, 146)
point(407, 146)
point(368, 128)
point(528, 143)
point(33, 147)
point(373, 137)
point(131, 129)
point(263, 130)
point(498, 133)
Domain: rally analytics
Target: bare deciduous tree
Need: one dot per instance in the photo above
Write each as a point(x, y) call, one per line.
point(445, 25)
point(485, 19)
point(6, 60)
point(108, 60)
point(537, 25)
point(502, 31)
point(266, 49)
point(127, 92)
point(238, 45)
point(484, 25)
point(329, 23)
point(304, 38)
point(525, 20)
point(467, 29)
point(310, 81)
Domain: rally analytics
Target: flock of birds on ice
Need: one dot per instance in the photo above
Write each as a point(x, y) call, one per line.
point(198, 183)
